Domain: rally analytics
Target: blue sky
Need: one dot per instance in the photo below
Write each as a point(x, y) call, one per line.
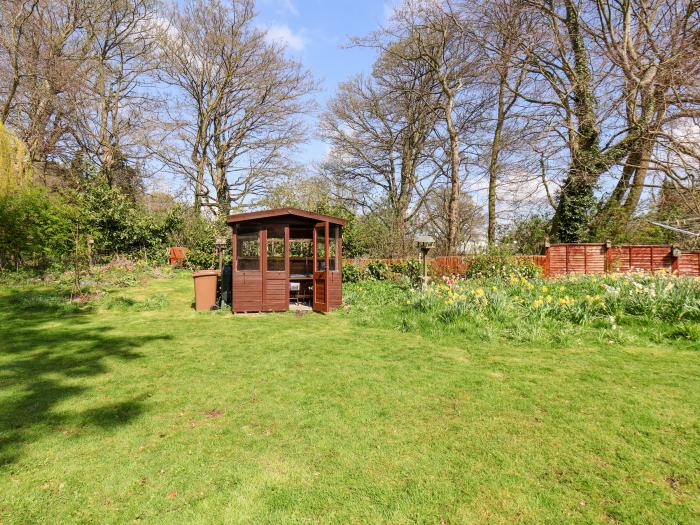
point(315, 32)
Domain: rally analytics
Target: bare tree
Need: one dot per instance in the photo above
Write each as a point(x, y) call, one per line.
point(49, 53)
point(499, 28)
point(114, 113)
point(605, 74)
point(240, 101)
point(654, 47)
point(377, 128)
point(558, 59)
point(437, 35)
point(433, 220)
point(15, 18)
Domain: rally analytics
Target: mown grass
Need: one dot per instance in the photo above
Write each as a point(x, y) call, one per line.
point(137, 409)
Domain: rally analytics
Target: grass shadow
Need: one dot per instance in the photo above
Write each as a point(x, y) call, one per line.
point(46, 343)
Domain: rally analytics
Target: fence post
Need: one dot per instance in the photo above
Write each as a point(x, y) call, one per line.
point(546, 257)
point(676, 254)
point(608, 255)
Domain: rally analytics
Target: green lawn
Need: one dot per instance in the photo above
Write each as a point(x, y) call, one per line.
point(145, 411)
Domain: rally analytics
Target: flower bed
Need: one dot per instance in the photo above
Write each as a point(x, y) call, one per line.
point(521, 303)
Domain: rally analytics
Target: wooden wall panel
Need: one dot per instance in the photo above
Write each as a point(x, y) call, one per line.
point(276, 297)
point(320, 290)
point(247, 291)
point(335, 289)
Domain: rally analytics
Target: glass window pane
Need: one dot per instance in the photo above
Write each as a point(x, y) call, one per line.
point(248, 252)
point(275, 249)
point(320, 249)
point(301, 252)
point(334, 248)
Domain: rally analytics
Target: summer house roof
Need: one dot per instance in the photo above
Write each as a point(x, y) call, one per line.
point(282, 212)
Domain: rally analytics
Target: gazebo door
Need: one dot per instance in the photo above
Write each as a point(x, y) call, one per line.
point(275, 240)
point(321, 267)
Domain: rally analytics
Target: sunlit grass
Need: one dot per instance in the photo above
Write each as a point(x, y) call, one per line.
point(138, 409)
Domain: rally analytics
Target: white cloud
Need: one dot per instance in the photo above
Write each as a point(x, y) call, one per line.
point(288, 5)
point(282, 6)
point(283, 34)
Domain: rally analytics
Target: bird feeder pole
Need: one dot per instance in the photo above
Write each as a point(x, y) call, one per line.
point(425, 243)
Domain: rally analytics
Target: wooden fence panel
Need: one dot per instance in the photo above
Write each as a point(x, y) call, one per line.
point(576, 259)
point(619, 259)
point(595, 258)
point(565, 259)
point(689, 264)
point(641, 259)
point(662, 258)
point(581, 259)
point(558, 259)
point(446, 265)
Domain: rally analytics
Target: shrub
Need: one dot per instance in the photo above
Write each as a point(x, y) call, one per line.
point(200, 260)
point(410, 269)
point(351, 273)
point(37, 229)
point(378, 270)
point(500, 263)
point(528, 235)
point(118, 225)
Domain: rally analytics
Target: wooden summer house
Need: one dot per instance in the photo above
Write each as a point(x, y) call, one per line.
point(285, 256)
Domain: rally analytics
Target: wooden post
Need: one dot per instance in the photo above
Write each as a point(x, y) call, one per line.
point(234, 256)
point(675, 265)
point(262, 261)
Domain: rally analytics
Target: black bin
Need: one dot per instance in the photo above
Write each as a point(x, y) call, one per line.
point(226, 284)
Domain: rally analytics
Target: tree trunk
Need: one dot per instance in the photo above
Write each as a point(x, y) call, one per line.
point(199, 187)
point(493, 162)
point(453, 203)
point(106, 157)
point(10, 96)
point(640, 173)
point(570, 221)
point(223, 192)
